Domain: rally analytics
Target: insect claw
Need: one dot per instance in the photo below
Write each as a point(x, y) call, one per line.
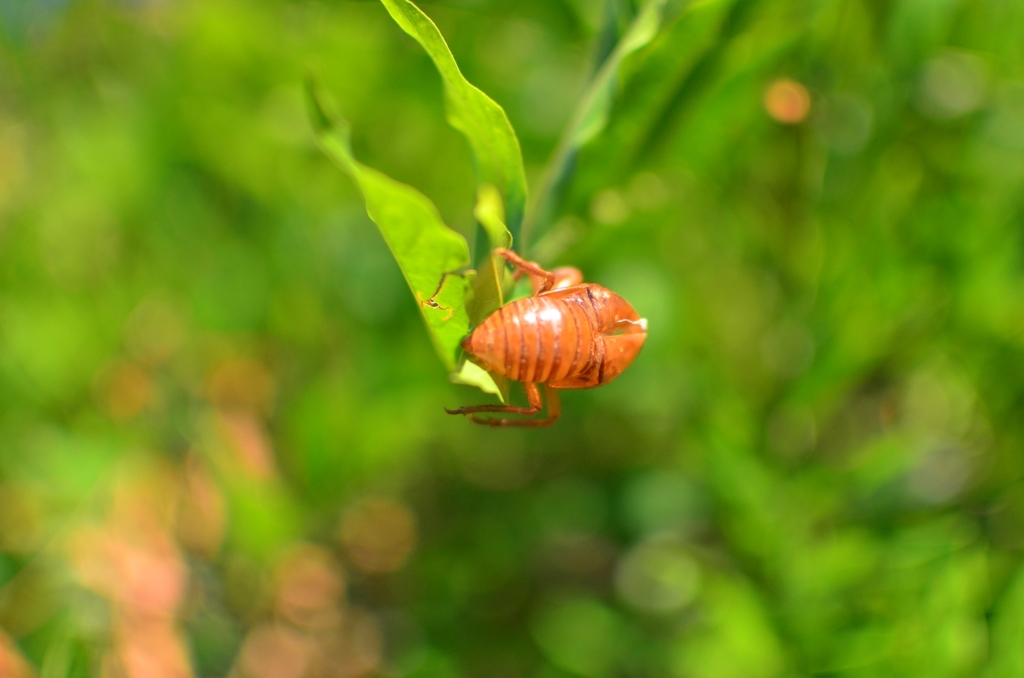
point(451, 311)
point(458, 410)
point(430, 303)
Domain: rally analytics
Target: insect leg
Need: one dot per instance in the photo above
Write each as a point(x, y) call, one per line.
point(530, 267)
point(533, 393)
point(431, 301)
point(505, 409)
point(554, 412)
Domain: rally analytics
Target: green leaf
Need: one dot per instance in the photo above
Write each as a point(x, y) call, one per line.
point(488, 284)
point(501, 174)
point(499, 159)
point(430, 255)
point(471, 374)
point(592, 113)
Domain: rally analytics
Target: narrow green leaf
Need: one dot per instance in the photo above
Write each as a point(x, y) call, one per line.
point(430, 255)
point(597, 104)
point(591, 115)
point(685, 46)
point(499, 159)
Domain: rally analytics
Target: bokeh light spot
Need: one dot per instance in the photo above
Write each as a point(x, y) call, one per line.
point(658, 575)
point(953, 84)
point(129, 390)
point(309, 588)
point(580, 635)
point(609, 207)
point(787, 101)
point(275, 651)
point(241, 384)
point(647, 191)
point(378, 535)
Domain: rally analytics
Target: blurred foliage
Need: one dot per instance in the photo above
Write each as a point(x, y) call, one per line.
point(222, 442)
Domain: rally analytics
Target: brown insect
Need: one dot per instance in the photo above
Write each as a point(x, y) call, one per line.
point(569, 334)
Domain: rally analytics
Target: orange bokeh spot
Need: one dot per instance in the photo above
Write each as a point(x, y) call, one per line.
point(241, 384)
point(129, 391)
point(310, 587)
point(787, 101)
point(378, 535)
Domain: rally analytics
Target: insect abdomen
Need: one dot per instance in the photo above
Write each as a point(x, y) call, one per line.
point(535, 340)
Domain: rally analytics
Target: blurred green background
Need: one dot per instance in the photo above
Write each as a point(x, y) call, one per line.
point(222, 443)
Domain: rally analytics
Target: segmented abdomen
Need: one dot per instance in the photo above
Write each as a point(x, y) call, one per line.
point(537, 339)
